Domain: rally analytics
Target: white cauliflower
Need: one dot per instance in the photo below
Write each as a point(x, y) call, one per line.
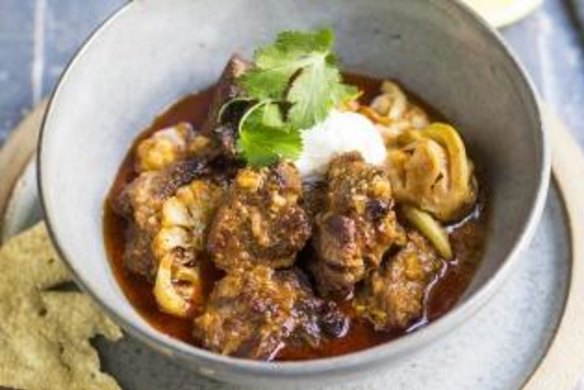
point(168, 146)
point(184, 220)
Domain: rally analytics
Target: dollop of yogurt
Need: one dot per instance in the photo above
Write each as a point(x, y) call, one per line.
point(341, 132)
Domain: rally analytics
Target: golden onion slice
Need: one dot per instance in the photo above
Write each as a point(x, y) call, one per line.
point(459, 167)
point(394, 113)
point(430, 169)
point(430, 228)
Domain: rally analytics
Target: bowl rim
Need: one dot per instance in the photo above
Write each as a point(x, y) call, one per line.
point(351, 362)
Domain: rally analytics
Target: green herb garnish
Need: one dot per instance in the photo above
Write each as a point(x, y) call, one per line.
point(293, 86)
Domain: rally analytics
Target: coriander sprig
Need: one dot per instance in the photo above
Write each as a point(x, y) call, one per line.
point(293, 86)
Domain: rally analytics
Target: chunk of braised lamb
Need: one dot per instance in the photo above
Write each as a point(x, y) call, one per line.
point(392, 297)
point(356, 227)
point(260, 220)
point(255, 312)
point(314, 194)
point(138, 257)
point(223, 130)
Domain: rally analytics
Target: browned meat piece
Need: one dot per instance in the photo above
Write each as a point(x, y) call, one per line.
point(138, 257)
point(314, 197)
point(224, 132)
point(356, 227)
point(260, 221)
point(255, 312)
point(393, 296)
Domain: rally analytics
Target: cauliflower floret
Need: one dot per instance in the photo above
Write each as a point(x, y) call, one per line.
point(430, 169)
point(184, 221)
point(393, 113)
point(168, 146)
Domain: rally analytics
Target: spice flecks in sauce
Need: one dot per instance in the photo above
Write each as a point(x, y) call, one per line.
point(467, 241)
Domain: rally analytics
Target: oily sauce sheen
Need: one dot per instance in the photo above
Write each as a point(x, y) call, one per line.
point(466, 238)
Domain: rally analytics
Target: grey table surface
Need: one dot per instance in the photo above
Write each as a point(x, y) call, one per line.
point(38, 37)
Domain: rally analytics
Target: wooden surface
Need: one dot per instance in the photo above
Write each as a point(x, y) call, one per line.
point(562, 365)
point(17, 152)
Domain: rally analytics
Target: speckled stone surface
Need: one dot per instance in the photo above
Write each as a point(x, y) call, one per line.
point(496, 349)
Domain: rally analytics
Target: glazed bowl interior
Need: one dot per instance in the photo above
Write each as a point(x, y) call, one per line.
point(154, 52)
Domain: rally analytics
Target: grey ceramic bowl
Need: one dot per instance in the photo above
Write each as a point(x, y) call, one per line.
point(153, 52)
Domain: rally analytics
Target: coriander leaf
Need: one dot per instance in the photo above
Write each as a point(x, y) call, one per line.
point(342, 93)
point(264, 137)
point(272, 116)
point(276, 64)
point(293, 46)
point(315, 92)
point(293, 86)
point(266, 84)
point(266, 146)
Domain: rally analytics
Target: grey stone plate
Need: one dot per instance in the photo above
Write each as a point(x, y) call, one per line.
point(496, 349)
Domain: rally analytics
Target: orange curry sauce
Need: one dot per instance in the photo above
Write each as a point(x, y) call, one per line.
point(467, 240)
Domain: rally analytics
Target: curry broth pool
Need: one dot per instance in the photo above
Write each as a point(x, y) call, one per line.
point(441, 295)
